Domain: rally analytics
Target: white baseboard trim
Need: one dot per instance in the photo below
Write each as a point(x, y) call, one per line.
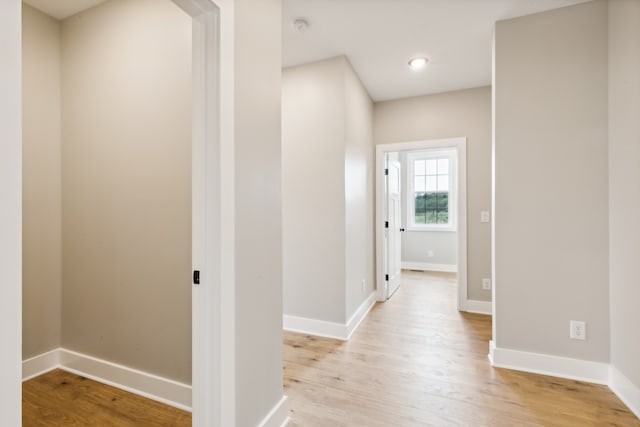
point(320, 328)
point(148, 385)
point(323, 328)
point(492, 348)
point(628, 392)
point(574, 369)
point(40, 364)
point(360, 314)
point(144, 384)
point(425, 266)
point(278, 416)
point(545, 364)
point(480, 307)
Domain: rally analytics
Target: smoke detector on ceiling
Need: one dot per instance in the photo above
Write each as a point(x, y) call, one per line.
point(300, 25)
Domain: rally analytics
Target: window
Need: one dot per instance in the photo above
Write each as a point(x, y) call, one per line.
point(431, 196)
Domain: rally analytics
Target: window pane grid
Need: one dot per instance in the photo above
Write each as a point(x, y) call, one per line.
point(431, 191)
point(431, 208)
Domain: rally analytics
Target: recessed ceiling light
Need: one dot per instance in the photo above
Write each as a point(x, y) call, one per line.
point(418, 62)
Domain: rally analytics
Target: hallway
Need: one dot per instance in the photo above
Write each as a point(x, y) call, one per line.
point(416, 361)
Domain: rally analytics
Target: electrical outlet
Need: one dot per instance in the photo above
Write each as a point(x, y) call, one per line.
point(363, 286)
point(486, 284)
point(484, 216)
point(430, 254)
point(577, 330)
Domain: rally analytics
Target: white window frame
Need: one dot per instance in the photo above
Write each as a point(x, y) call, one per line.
point(449, 153)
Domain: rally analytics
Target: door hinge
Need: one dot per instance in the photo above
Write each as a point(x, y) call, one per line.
point(386, 171)
point(386, 277)
point(196, 277)
point(386, 224)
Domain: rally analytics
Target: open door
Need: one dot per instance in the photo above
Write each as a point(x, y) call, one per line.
point(392, 226)
point(389, 211)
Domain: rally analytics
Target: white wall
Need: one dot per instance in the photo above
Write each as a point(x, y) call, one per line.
point(551, 210)
point(358, 192)
point(313, 190)
point(258, 226)
point(417, 244)
point(624, 185)
point(327, 164)
point(126, 185)
point(41, 192)
point(465, 113)
point(10, 212)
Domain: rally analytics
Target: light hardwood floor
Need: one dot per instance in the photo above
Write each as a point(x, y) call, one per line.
point(416, 361)
point(59, 398)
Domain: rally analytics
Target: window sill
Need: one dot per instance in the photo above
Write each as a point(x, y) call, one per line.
point(436, 229)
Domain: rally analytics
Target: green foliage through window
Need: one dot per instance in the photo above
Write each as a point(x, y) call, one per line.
point(430, 180)
point(431, 208)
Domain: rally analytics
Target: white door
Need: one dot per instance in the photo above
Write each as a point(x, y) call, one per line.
point(394, 212)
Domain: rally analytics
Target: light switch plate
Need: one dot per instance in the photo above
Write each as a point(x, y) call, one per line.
point(484, 216)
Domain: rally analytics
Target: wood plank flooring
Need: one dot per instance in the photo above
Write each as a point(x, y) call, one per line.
point(416, 361)
point(59, 398)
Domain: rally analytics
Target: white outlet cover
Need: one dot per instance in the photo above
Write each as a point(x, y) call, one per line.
point(484, 216)
point(486, 284)
point(577, 330)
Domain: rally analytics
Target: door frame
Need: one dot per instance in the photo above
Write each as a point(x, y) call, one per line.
point(213, 212)
point(209, 243)
point(213, 300)
point(388, 285)
point(460, 143)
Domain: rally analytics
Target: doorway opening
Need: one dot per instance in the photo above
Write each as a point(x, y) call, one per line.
point(421, 212)
point(138, 187)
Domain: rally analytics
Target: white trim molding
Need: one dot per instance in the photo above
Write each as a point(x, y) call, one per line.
point(323, 328)
point(425, 266)
point(40, 364)
point(319, 328)
point(460, 144)
point(278, 416)
point(443, 153)
point(359, 315)
point(212, 399)
point(628, 392)
point(10, 212)
point(546, 364)
point(565, 367)
point(151, 386)
point(478, 307)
